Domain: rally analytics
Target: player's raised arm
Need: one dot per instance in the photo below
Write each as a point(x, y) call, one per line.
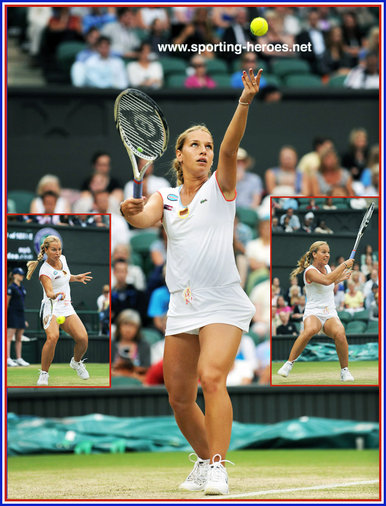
point(226, 170)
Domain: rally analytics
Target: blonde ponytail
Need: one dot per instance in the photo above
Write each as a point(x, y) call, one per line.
point(307, 259)
point(32, 264)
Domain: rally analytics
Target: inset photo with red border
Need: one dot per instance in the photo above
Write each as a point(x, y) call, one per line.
point(58, 300)
point(325, 275)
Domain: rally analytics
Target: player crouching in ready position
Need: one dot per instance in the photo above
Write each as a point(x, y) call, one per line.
point(320, 312)
point(55, 278)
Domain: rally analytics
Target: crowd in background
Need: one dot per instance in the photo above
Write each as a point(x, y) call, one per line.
point(357, 294)
point(121, 44)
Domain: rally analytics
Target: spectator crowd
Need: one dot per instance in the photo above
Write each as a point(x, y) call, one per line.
point(122, 46)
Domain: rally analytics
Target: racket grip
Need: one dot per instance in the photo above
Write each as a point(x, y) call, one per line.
point(353, 253)
point(137, 189)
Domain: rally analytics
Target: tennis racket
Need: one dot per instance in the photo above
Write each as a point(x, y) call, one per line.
point(48, 311)
point(143, 130)
point(362, 228)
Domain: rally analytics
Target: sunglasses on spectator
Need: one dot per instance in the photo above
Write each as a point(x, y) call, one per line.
point(198, 65)
point(249, 60)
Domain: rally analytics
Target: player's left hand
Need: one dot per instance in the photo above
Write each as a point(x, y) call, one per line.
point(251, 85)
point(84, 278)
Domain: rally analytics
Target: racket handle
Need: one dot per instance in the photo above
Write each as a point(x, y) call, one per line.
point(353, 253)
point(137, 189)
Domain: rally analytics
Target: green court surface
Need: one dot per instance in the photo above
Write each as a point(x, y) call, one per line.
point(326, 373)
point(61, 375)
point(257, 474)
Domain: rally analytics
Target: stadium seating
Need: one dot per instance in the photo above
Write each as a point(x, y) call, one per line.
point(344, 316)
point(290, 66)
point(175, 81)
point(140, 246)
point(272, 80)
point(303, 81)
point(256, 339)
point(172, 66)
point(222, 80)
point(215, 67)
point(362, 316)
point(141, 241)
point(122, 381)
point(372, 327)
point(247, 216)
point(151, 335)
point(337, 81)
point(356, 327)
point(236, 66)
point(22, 200)
point(66, 54)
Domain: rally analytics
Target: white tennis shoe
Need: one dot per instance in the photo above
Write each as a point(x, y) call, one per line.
point(11, 363)
point(80, 368)
point(217, 483)
point(199, 475)
point(21, 362)
point(285, 369)
point(345, 375)
point(43, 379)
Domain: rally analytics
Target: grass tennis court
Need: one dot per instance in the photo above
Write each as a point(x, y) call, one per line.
point(157, 475)
point(326, 373)
point(61, 375)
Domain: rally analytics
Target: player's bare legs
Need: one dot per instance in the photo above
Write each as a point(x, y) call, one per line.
point(73, 325)
point(334, 328)
point(48, 351)
point(312, 325)
point(219, 344)
point(181, 380)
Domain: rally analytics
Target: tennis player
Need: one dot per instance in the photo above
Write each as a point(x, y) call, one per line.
point(55, 278)
point(16, 322)
point(320, 312)
point(208, 310)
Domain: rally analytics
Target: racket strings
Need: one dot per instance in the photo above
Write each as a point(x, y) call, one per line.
point(141, 127)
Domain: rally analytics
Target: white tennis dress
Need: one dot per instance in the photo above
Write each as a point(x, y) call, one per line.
point(319, 298)
point(60, 279)
point(201, 272)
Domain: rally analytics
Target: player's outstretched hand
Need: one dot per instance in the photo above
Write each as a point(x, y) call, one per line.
point(251, 85)
point(84, 278)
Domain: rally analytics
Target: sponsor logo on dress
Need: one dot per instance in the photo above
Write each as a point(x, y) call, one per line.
point(168, 208)
point(172, 197)
point(187, 294)
point(203, 201)
point(55, 273)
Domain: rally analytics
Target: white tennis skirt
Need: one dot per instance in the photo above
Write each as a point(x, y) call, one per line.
point(192, 310)
point(322, 316)
point(63, 308)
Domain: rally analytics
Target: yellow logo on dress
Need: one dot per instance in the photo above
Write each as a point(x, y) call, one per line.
point(183, 213)
point(187, 294)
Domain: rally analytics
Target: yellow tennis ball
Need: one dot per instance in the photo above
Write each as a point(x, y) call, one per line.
point(61, 319)
point(259, 26)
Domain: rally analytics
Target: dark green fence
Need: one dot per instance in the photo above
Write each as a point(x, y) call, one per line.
point(252, 404)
